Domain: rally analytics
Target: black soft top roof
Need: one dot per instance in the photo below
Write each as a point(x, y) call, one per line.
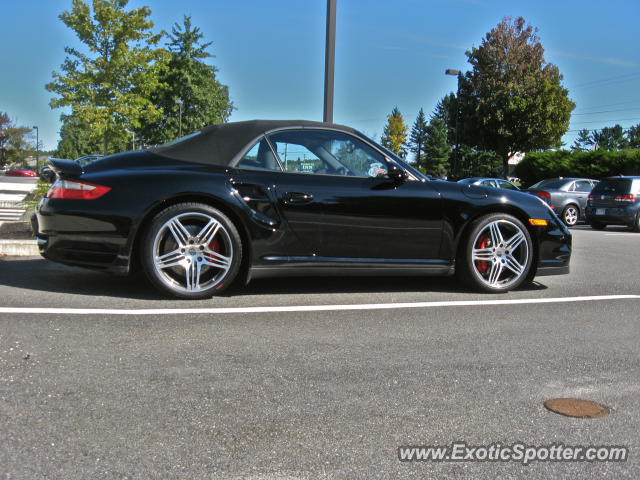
point(218, 144)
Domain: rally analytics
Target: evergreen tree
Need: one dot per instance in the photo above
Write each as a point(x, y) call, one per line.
point(583, 142)
point(610, 138)
point(633, 136)
point(446, 110)
point(189, 80)
point(418, 137)
point(437, 148)
point(394, 136)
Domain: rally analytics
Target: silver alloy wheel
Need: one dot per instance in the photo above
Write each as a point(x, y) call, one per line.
point(571, 215)
point(192, 252)
point(500, 254)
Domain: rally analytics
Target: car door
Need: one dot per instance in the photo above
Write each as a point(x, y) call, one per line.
point(336, 194)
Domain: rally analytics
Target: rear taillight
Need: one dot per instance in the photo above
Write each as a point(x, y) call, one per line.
point(590, 197)
point(625, 198)
point(543, 195)
point(73, 190)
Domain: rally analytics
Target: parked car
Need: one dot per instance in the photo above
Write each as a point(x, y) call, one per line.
point(47, 174)
point(20, 172)
point(566, 196)
point(489, 182)
point(615, 201)
point(253, 199)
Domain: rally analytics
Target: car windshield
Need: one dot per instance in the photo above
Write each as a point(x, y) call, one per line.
point(613, 187)
point(549, 183)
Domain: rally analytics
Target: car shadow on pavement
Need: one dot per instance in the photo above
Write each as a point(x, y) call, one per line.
point(43, 275)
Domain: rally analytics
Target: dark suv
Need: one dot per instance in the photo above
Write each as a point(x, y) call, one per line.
point(615, 201)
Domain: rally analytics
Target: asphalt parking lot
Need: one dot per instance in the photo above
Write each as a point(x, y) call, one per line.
point(330, 390)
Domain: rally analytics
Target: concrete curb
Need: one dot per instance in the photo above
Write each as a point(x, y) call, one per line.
point(19, 248)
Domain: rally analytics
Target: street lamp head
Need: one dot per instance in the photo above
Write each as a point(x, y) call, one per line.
point(452, 71)
point(179, 101)
point(35, 127)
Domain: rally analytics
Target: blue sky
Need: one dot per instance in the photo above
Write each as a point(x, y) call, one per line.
point(271, 54)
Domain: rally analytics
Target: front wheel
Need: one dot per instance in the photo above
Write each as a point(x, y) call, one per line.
point(496, 255)
point(192, 251)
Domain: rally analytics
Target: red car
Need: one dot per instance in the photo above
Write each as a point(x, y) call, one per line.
point(20, 172)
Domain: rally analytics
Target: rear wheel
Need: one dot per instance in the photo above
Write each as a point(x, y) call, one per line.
point(636, 225)
point(597, 225)
point(191, 250)
point(496, 255)
point(570, 215)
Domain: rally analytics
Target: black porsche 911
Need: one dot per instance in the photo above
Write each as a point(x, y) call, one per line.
point(262, 198)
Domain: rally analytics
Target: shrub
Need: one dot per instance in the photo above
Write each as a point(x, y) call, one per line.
point(562, 163)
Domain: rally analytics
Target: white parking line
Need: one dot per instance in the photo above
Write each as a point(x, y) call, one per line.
point(307, 308)
point(622, 234)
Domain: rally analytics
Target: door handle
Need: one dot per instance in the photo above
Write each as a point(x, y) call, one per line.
point(297, 198)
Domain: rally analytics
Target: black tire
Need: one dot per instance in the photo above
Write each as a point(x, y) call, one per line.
point(193, 216)
point(571, 215)
point(597, 225)
point(636, 225)
point(469, 272)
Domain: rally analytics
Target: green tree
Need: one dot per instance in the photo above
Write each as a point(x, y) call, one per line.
point(189, 79)
point(77, 138)
point(512, 100)
point(394, 135)
point(109, 87)
point(446, 110)
point(583, 142)
point(14, 145)
point(437, 148)
point(633, 136)
point(418, 137)
point(610, 138)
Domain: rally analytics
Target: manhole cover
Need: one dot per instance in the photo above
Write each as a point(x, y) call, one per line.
point(576, 407)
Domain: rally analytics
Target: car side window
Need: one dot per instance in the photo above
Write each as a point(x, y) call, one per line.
point(327, 152)
point(583, 186)
point(507, 185)
point(488, 183)
point(259, 157)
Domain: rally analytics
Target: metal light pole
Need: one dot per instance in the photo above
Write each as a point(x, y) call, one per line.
point(329, 61)
point(180, 107)
point(456, 73)
point(37, 147)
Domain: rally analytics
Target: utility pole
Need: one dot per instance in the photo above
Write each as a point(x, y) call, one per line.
point(455, 166)
point(180, 107)
point(329, 61)
point(37, 147)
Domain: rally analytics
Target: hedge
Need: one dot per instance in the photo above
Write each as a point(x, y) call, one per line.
point(562, 163)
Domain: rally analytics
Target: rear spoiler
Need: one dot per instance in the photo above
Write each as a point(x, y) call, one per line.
point(65, 168)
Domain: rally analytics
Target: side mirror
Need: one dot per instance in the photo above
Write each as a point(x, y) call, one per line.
point(397, 174)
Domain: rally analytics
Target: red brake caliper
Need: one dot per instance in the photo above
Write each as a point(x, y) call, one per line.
point(482, 265)
point(215, 245)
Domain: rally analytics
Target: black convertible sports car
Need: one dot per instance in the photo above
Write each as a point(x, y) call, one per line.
point(260, 198)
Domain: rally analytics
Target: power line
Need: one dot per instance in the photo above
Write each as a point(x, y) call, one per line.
point(608, 111)
point(612, 120)
point(606, 81)
point(615, 104)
